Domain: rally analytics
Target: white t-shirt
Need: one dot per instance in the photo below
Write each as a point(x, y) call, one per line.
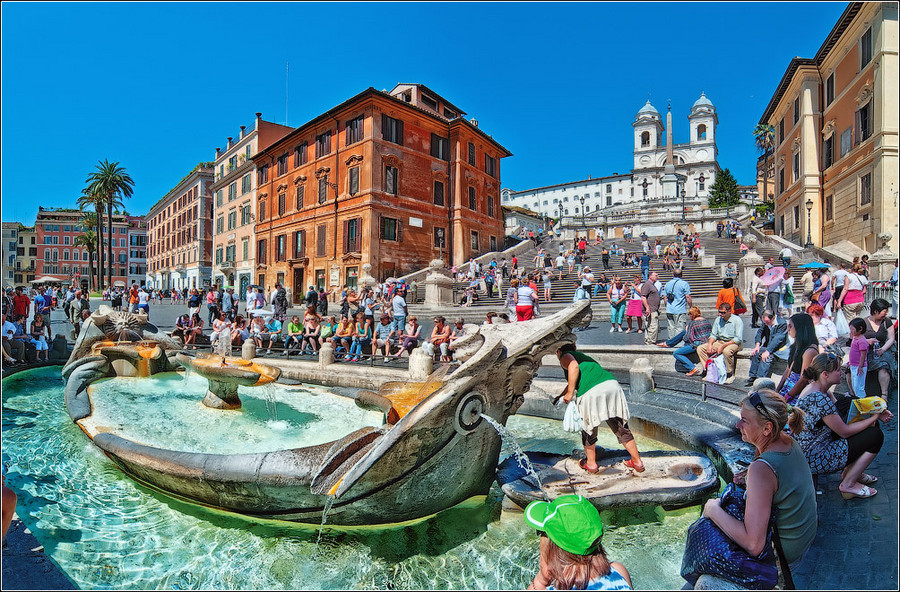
point(398, 304)
point(839, 276)
point(856, 281)
point(560, 261)
point(526, 296)
point(786, 253)
point(143, 297)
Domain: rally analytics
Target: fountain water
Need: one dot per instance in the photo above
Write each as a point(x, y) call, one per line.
point(329, 501)
point(521, 457)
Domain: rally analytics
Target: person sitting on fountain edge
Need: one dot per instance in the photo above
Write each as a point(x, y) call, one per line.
point(599, 398)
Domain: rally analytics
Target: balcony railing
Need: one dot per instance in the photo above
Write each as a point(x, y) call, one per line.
point(227, 264)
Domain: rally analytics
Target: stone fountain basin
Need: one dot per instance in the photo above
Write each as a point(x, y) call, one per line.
point(229, 369)
point(672, 479)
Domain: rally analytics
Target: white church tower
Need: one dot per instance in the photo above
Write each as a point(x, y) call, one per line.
point(704, 120)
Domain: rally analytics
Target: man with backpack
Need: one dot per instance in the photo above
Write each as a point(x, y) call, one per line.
point(678, 300)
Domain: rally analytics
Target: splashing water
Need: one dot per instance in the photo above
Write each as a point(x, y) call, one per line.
point(223, 344)
point(271, 404)
point(328, 503)
point(521, 457)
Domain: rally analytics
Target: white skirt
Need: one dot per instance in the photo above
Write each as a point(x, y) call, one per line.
point(604, 401)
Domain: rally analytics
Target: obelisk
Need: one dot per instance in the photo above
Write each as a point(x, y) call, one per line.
point(669, 179)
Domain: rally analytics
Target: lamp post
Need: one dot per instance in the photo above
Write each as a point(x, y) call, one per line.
point(683, 195)
point(809, 206)
point(581, 199)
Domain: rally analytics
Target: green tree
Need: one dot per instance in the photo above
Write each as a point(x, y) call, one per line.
point(724, 191)
point(88, 240)
point(95, 219)
point(113, 183)
point(764, 136)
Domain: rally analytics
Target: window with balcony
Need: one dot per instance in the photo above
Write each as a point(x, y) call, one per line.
point(323, 144)
point(351, 235)
point(299, 196)
point(438, 193)
point(229, 253)
point(390, 229)
point(440, 147)
point(218, 255)
point(390, 180)
point(300, 153)
point(353, 180)
point(354, 130)
point(473, 201)
point(392, 129)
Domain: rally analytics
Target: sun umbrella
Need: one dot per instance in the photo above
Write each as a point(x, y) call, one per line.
point(772, 276)
point(814, 265)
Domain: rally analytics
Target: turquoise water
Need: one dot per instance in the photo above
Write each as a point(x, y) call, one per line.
point(105, 531)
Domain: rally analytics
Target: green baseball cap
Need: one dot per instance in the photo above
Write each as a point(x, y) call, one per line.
point(571, 521)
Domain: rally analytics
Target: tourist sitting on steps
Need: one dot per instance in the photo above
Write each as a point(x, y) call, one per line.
point(599, 398)
point(770, 338)
point(779, 477)
point(571, 554)
point(829, 443)
point(695, 334)
point(725, 340)
point(439, 340)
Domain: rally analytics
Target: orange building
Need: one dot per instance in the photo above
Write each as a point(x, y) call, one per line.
point(394, 179)
point(836, 122)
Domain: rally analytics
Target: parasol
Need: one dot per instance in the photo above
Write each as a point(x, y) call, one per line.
point(814, 265)
point(772, 276)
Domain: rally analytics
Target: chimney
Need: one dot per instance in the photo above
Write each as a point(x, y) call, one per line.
point(258, 119)
point(243, 127)
point(230, 143)
point(474, 122)
point(218, 151)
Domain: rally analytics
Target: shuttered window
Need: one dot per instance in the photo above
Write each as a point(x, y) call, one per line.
point(390, 229)
point(438, 193)
point(323, 144)
point(300, 154)
point(473, 202)
point(351, 235)
point(440, 147)
point(261, 251)
point(323, 189)
point(281, 199)
point(300, 244)
point(320, 240)
point(354, 180)
point(300, 190)
point(390, 180)
point(471, 154)
point(354, 131)
point(392, 129)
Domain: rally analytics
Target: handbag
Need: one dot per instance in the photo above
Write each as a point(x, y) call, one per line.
point(708, 550)
point(716, 372)
point(788, 295)
point(740, 307)
point(841, 324)
point(572, 419)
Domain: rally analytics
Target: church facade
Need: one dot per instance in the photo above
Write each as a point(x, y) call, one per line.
point(695, 168)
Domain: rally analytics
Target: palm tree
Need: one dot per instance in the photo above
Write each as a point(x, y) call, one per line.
point(93, 198)
point(764, 135)
point(113, 183)
point(88, 240)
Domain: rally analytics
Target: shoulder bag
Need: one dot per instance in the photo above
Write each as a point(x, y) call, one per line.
point(740, 307)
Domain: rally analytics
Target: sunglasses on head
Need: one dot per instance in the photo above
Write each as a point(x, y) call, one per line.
point(755, 400)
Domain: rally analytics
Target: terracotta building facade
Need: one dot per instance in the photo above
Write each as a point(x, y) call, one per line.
point(234, 189)
point(180, 233)
point(835, 168)
point(391, 179)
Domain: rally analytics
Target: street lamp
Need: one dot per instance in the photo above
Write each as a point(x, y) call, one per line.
point(582, 211)
point(809, 206)
point(683, 195)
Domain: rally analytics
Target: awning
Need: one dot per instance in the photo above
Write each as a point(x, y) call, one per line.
point(47, 279)
point(119, 284)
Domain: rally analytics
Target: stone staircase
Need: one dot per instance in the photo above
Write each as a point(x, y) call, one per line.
point(705, 282)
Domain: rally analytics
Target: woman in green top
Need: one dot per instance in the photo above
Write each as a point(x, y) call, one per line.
point(326, 330)
point(779, 477)
point(599, 398)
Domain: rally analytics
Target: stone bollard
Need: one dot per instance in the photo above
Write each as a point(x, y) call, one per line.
point(248, 350)
point(421, 365)
point(326, 355)
point(641, 377)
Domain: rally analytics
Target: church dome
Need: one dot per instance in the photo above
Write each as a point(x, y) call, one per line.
point(648, 109)
point(702, 102)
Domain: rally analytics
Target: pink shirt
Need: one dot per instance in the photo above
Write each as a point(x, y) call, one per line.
point(859, 347)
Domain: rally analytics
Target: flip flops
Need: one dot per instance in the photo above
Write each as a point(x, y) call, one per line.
point(583, 464)
point(864, 492)
point(865, 479)
point(630, 464)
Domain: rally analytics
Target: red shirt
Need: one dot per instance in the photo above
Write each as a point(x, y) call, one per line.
point(21, 302)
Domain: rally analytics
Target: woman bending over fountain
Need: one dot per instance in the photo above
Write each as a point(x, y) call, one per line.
point(779, 477)
point(599, 398)
point(571, 554)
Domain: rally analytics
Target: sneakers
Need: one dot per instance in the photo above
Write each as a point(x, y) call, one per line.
point(612, 329)
point(750, 381)
point(386, 360)
point(285, 353)
point(268, 351)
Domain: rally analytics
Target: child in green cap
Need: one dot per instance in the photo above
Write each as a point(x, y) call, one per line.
point(571, 556)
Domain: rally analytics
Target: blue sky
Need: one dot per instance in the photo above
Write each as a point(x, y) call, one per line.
point(157, 86)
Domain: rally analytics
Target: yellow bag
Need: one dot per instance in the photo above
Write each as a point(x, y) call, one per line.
point(862, 408)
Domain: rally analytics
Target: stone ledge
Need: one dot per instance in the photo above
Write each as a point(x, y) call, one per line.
point(621, 357)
